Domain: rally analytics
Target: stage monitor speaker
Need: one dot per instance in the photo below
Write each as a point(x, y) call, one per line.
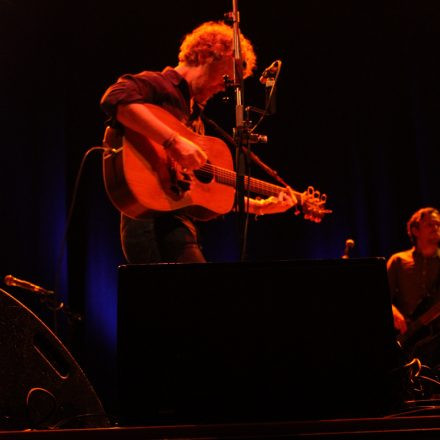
point(41, 384)
point(244, 342)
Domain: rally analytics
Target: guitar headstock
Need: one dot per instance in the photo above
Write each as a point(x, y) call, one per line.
point(313, 205)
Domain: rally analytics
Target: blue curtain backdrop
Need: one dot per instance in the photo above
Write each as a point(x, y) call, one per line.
point(357, 118)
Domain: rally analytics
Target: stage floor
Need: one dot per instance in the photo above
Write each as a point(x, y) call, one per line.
point(392, 427)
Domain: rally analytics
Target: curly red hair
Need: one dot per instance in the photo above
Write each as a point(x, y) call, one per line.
point(212, 41)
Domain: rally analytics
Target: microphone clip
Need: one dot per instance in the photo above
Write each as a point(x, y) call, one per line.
point(269, 74)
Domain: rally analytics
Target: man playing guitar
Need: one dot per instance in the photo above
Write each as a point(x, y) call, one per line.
point(414, 278)
point(205, 57)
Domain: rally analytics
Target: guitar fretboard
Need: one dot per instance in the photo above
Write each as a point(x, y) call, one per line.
point(229, 178)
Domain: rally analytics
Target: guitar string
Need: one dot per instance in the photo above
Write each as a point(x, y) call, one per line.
point(229, 176)
point(224, 175)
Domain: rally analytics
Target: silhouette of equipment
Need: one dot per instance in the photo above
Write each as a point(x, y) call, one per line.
point(42, 386)
point(255, 341)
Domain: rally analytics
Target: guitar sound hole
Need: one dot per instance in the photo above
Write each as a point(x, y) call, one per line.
point(204, 174)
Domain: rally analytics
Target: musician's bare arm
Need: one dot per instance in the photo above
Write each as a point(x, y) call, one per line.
point(139, 118)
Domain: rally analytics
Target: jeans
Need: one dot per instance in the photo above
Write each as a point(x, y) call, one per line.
point(163, 239)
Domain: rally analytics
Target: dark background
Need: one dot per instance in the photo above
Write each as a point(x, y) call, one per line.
point(357, 118)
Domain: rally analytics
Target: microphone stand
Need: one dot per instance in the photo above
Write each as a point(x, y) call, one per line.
point(243, 134)
point(46, 297)
point(241, 131)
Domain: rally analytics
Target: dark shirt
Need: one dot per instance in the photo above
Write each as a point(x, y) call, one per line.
point(167, 89)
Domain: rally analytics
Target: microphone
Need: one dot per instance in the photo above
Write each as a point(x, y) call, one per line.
point(16, 282)
point(270, 72)
point(268, 79)
point(349, 244)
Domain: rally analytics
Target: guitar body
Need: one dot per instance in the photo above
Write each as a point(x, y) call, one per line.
point(141, 180)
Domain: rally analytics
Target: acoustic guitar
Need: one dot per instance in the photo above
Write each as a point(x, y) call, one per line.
point(141, 179)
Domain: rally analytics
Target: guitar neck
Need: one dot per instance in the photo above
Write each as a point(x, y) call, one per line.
point(430, 315)
point(255, 186)
point(424, 320)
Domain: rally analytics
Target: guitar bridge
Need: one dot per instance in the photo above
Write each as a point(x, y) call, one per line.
point(180, 181)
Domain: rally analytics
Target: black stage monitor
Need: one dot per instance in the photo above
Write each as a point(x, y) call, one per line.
point(42, 386)
point(260, 341)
